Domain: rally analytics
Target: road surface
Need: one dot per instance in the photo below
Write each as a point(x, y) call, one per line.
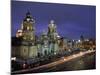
point(60, 64)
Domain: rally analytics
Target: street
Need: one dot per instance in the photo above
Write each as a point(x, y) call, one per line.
point(79, 61)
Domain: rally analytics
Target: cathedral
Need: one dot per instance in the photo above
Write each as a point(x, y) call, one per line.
point(26, 45)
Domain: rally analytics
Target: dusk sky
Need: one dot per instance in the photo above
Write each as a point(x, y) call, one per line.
point(71, 20)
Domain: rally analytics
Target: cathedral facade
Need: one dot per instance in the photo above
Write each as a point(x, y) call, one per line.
point(26, 45)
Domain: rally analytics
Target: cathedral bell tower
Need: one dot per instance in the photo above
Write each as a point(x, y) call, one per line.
point(28, 28)
point(52, 32)
point(52, 27)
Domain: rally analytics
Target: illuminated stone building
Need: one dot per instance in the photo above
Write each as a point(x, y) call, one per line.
point(53, 37)
point(49, 40)
point(26, 47)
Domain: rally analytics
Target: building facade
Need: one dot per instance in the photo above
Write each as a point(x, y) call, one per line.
point(25, 45)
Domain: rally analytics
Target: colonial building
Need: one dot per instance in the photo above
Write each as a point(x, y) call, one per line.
point(26, 46)
point(53, 37)
point(49, 40)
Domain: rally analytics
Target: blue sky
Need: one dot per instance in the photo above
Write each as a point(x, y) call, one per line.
point(71, 20)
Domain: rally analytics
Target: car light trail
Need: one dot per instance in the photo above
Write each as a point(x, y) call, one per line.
point(60, 61)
